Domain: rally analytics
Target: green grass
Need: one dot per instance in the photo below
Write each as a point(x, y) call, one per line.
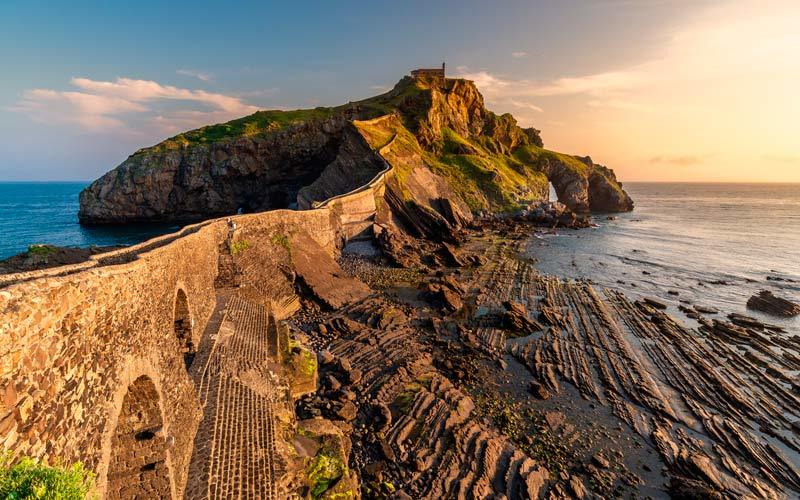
point(537, 157)
point(260, 122)
point(28, 479)
point(41, 250)
point(486, 180)
point(405, 94)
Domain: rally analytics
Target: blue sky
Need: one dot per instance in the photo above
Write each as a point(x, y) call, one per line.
point(87, 83)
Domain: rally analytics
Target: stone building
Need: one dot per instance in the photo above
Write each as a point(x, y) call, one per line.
point(428, 73)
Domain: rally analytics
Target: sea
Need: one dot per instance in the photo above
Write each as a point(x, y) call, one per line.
point(714, 244)
point(47, 212)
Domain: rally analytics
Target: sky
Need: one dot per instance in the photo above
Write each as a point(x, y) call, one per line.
point(657, 90)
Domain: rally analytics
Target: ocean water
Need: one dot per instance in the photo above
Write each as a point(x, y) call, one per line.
point(39, 212)
point(715, 244)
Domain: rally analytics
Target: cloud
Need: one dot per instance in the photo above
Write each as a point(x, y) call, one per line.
point(596, 84)
point(100, 105)
point(200, 75)
point(682, 161)
point(486, 82)
point(620, 104)
point(519, 54)
point(525, 105)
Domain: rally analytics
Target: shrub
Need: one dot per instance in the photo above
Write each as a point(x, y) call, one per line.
point(239, 246)
point(28, 479)
point(282, 240)
point(324, 471)
point(40, 250)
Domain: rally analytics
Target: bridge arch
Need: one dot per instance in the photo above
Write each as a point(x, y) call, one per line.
point(138, 464)
point(183, 326)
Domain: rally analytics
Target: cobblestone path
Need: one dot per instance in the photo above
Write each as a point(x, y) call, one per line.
point(234, 452)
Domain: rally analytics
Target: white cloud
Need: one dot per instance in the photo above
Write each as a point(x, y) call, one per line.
point(100, 105)
point(597, 84)
point(200, 75)
point(525, 105)
point(519, 54)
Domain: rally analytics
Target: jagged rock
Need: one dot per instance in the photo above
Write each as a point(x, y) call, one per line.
point(705, 310)
point(606, 193)
point(326, 357)
point(347, 412)
point(456, 258)
point(554, 214)
point(332, 383)
point(577, 487)
point(516, 318)
point(690, 489)
point(766, 302)
point(443, 296)
point(601, 461)
point(383, 416)
point(354, 376)
point(323, 276)
point(345, 366)
point(538, 390)
point(655, 303)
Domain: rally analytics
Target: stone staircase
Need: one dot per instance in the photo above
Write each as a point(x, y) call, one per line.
point(235, 453)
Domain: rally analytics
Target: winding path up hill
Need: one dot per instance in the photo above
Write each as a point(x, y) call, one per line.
point(272, 159)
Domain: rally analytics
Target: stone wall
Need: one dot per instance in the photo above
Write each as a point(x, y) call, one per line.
point(83, 344)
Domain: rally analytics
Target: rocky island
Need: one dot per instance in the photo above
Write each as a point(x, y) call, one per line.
point(273, 159)
point(370, 326)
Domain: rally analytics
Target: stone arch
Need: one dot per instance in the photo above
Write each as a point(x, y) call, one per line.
point(183, 328)
point(138, 465)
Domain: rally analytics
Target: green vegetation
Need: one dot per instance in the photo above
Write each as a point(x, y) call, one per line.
point(308, 363)
point(41, 250)
point(324, 471)
point(282, 240)
point(538, 157)
point(405, 399)
point(260, 122)
point(405, 95)
point(28, 479)
point(525, 427)
point(486, 180)
point(264, 122)
point(240, 246)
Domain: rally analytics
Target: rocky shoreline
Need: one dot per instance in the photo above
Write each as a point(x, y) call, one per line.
point(495, 381)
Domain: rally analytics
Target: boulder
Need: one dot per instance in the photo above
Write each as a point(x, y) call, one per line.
point(766, 302)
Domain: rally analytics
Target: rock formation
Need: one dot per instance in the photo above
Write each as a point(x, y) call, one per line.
point(766, 302)
point(273, 158)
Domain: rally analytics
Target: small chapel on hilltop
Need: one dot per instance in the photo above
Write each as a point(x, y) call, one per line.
point(428, 73)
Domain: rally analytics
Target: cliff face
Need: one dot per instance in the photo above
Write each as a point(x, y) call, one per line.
point(272, 158)
point(194, 181)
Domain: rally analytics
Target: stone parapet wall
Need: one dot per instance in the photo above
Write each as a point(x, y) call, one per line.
point(74, 339)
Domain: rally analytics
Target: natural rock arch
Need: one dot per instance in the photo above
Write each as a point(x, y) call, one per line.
point(138, 466)
point(182, 326)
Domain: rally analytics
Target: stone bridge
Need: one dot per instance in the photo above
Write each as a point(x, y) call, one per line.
point(99, 360)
